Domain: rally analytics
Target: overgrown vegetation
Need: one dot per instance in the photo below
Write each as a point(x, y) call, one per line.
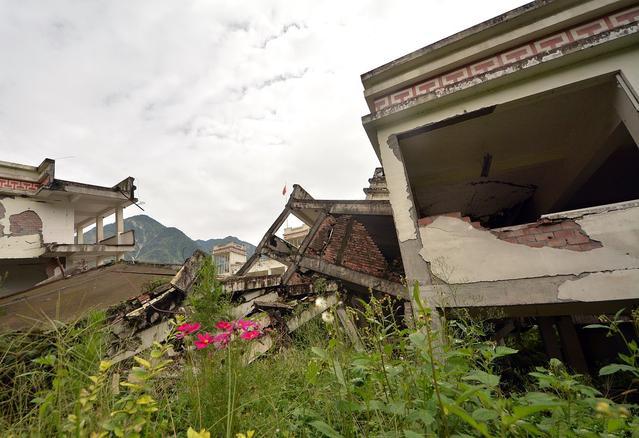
point(407, 384)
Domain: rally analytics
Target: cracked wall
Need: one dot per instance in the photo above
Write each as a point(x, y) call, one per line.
point(26, 225)
point(461, 253)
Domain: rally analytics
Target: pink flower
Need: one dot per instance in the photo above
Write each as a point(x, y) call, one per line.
point(224, 325)
point(247, 324)
point(187, 329)
point(221, 340)
point(203, 340)
point(251, 334)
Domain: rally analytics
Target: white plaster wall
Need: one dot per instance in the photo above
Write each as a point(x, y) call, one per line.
point(619, 229)
point(236, 258)
point(459, 253)
point(57, 226)
point(266, 265)
point(616, 285)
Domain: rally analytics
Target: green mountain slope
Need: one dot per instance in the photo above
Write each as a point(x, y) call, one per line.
point(155, 243)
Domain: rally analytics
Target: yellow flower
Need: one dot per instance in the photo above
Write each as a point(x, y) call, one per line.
point(249, 434)
point(192, 433)
point(623, 412)
point(602, 407)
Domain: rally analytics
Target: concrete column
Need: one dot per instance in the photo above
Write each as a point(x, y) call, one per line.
point(549, 337)
point(119, 223)
point(627, 107)
point(405, 218)
point(79, 235)
point(571, 345)
point(99, 229)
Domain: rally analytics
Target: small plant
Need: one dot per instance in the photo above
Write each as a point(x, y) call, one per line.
point(207, 299)
point(629, 362)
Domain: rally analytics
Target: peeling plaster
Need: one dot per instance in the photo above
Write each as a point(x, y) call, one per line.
point(399, 192)
point(620, 230)
point(18, 247)
point(459, 253)
point(615, 285)
point(57, 226)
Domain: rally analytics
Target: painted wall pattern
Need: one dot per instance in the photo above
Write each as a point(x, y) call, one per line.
point(15, 184)
point(512, 56)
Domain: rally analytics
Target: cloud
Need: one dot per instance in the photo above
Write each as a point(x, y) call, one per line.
point(211, 105)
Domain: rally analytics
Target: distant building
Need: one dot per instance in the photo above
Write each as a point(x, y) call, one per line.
point(42, 221)
point(228, 258)
point(377, 189)
point(295, 235)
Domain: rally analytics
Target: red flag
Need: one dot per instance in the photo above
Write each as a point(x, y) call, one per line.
point(284, 190)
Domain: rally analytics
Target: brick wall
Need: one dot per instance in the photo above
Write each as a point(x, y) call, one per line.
point(27, 222)
point(344, 241)
point(565, 234)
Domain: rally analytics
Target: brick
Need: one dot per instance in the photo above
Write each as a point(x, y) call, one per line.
point(456, 214)
point(557, 243)
point(425, 221)
point(542, 237)
point(477, 225)
point(565, 234)
point(589, 246)
point(573, 247)
point(27, 222)
point(577, 238)
point(526, 239)
point(570, 225)
point(513, 233)
point(536, 244)
point(550, 227)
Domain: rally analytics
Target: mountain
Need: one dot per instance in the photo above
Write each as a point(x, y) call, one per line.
point(155, 243)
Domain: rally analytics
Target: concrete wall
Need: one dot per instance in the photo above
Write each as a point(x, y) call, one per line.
point(267, 267)
point(25, 225)
point(461, 253)
point(464, 263)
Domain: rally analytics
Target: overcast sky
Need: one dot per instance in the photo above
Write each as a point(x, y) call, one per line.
point(212, 106)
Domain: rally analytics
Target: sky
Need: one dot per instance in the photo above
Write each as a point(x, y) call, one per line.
point(213, 106)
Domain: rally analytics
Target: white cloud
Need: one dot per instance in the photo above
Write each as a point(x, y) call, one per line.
point(211, 105)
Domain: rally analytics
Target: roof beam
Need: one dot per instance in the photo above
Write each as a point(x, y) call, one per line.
point(307, 240)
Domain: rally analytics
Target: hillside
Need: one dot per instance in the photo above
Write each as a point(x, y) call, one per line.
point(156, 243)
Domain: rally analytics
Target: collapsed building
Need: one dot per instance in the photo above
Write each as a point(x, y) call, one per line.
point(511, 190)
point(42, 222)
point(511, 152)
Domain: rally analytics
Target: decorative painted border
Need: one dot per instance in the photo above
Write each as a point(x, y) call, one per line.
point(14, 184)
point(512, 56)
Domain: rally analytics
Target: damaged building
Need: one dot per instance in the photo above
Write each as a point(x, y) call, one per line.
point(42, 222)
point(510, 154)
point(508, 189)
point(509, 185)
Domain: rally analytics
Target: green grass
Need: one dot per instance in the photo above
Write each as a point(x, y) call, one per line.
point(312, 384)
